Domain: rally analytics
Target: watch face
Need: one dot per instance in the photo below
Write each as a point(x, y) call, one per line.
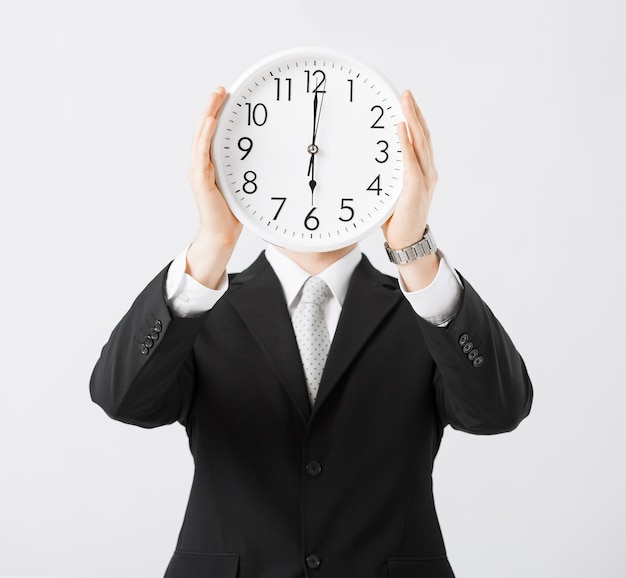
point(307, 152)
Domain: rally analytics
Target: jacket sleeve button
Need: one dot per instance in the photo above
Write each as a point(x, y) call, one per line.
point(478, 361)
point(144, 350)
point(463, 339)
point(158, 326)
point(473, 354)
point(313, 561)
point(468, 347)
point(313, 468)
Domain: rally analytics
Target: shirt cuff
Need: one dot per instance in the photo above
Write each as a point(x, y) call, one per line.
point(438, 302)
point(186, 296)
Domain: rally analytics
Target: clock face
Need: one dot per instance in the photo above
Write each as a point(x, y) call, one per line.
point(307, 152)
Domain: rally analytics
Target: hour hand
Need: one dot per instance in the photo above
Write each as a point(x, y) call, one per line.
point(312, 150)
point(312, 184)
point(311, 174)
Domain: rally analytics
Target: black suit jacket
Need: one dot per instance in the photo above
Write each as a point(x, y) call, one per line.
point(283, 490)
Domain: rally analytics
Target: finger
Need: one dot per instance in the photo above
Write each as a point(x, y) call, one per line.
point(426, 132)
point(418, 133)
point(212, 108)
point(215, 105)
point(408, 153)
point(420, 116)
point(203, 147)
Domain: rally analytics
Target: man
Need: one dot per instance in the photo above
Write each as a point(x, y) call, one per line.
point(309, 467)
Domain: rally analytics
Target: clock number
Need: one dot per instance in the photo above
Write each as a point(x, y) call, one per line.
point(280, 208)
point(319, 84)
point(256, 117)
point(375, 185)
point(384, 151)
point(249, 185)
point(382, 112)
point(351, 83)
point(347, 208)
point(245, 146)
point(288, 80)
point(311, 222)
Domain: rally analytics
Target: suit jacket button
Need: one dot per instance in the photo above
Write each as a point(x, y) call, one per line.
point(463, 339)
point(158, 326)
point(154, 334)
point(313, 561)
point(473, 354)
point(313, 468)
point(148, 342)
point(468, 347)
point(144, 350)
point(478, 361)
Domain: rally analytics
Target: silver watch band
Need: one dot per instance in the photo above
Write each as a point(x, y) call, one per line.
point(425, 246)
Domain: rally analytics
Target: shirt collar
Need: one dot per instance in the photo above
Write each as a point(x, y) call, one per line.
point(292, 276)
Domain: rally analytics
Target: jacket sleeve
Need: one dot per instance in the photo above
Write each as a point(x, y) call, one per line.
point(481, 382)
point(145, 373)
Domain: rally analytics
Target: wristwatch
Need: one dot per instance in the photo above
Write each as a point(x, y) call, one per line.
point(425, 246)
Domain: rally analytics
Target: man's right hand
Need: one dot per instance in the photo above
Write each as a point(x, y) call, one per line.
point(211, 250)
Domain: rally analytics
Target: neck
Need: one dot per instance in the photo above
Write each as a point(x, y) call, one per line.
point(315, 263)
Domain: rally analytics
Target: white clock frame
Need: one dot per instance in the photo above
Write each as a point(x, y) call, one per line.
point(277, 207)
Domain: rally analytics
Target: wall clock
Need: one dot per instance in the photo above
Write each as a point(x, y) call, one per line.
point(306, 150)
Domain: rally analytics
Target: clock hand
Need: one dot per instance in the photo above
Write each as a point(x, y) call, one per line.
point(316, 123)
point(312, 148)
point(312, 184)
point(315, 103)
point(311, 164)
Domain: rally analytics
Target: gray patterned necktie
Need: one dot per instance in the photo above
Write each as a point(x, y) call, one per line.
point(312, 332)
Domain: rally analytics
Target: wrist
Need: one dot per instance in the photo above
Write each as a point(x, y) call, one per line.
point(418, 262)
point(211, 236)
point(207, 258)
point(419, 274)
point(413, 252)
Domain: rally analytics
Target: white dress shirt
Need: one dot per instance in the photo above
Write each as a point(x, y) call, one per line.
point(437, 303)
point(337, 277)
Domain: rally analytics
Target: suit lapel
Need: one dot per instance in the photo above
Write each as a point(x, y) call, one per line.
point(257, 296)
point(370, 297)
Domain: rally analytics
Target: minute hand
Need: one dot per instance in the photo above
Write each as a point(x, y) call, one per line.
point(312, 149)
point(317, 112)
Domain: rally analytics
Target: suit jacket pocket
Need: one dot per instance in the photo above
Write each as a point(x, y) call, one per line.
point(202, 565)
point(438, 567)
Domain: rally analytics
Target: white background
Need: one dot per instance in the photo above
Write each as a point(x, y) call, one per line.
point(98, 102)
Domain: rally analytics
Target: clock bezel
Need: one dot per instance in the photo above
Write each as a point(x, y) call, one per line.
point(306, 244)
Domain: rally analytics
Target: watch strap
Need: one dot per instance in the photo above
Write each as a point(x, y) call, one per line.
point(425, 246)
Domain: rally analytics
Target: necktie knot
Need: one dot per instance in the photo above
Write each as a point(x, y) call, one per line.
point(315, 291)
